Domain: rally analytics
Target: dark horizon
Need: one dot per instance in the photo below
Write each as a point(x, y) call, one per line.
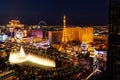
point(30, 12)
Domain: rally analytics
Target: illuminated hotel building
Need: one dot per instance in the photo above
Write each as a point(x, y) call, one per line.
point(55, 36)
point(15, 24)
point(17, 31)
point(82, 34)
point(113, 56)
point(12, 25)
point(35, 34)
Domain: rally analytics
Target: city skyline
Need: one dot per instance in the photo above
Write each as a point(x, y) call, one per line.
point(77, 41)
point(77, 12)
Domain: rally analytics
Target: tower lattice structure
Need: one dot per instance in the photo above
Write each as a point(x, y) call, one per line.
point(64, 34)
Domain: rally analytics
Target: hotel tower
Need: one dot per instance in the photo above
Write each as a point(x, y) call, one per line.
point(113, 56)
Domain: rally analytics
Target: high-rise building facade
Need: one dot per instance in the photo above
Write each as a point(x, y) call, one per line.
point(12, 25)
point(82, 34)
point(113, 60)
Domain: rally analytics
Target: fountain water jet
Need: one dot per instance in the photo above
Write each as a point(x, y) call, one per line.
point(22, 52)
point(19, 57)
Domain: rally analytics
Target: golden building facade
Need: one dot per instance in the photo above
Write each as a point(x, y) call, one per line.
point(83, 34)
point(87, 34)
point(55, 36)
point(14, 24)
point(73, 33)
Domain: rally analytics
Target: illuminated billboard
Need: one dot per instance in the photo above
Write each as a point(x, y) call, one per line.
point(3, 37)
point(18, 34)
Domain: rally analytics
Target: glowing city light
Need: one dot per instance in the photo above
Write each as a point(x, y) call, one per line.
point(22, 53)
point(19, 57)
point(16, 58)
point(41, 60)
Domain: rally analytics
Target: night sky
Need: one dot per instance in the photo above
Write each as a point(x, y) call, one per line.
point(78, 12)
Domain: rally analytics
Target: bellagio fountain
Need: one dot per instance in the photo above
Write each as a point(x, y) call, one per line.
point(20, 57)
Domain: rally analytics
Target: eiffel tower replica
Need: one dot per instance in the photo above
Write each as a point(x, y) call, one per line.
point(64, 33)
point(64, 41)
